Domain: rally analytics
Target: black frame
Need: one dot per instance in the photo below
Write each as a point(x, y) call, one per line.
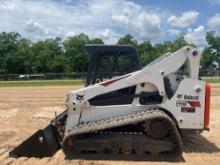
point(98, 52)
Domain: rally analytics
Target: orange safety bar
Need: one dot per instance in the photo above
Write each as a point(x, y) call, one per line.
point(207, 106)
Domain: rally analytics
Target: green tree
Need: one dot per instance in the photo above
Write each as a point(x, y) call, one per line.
point(43, 53)
point(127, 40)
point(213, 45)
point(58, 64)
point(13, 52)
point(20, 55)
point(97, 41)
point(212, 52)
point(146, 52)
point(180, 42)
point(75, 52)
point(207, 59)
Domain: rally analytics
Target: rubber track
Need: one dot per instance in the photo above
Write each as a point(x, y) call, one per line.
point(125, 120)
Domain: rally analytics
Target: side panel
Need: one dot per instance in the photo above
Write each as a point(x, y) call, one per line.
point(188, 104)
point(95, 113)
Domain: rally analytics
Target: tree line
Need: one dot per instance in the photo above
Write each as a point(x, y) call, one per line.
point(19, 55)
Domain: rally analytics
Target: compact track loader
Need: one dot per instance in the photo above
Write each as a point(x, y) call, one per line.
point(142, 112)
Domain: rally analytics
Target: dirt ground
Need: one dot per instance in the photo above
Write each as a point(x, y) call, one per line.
point(25, 110)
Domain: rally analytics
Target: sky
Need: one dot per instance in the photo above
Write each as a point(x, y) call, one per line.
point(154, 20)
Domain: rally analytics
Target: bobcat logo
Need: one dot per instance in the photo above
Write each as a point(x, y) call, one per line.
point(179, 96)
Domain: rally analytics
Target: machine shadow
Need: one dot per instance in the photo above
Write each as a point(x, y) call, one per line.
point(196, 143)
point(120, 157)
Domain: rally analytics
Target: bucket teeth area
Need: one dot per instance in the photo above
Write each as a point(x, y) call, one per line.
point(43, 143)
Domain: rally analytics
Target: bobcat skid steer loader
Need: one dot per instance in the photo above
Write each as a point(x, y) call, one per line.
point(143, 112)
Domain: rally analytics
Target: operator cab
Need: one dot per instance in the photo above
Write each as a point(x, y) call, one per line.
point(109, 61)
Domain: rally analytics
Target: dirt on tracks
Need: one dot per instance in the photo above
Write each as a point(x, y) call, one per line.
point(25, 110)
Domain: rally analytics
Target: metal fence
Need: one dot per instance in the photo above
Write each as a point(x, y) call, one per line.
point(77, 75)
point(43, 76)
point(209, 73)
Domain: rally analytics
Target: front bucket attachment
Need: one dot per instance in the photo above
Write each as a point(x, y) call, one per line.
point(43, 143)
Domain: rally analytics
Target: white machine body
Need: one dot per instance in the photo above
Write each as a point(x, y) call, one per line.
point(186, 104)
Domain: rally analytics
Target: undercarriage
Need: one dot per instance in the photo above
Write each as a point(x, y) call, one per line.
point(142, 137)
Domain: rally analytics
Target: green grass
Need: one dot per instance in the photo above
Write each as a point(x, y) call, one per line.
point(212, 79)
point(39, 83)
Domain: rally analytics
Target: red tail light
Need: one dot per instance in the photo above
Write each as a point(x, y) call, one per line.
point(207, 106)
